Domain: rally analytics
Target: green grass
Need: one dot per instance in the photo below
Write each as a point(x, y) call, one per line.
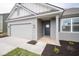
point(20, 52)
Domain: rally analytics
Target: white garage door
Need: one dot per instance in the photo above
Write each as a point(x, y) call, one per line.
point(22, 31)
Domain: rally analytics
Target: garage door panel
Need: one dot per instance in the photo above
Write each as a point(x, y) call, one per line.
point(22, 31)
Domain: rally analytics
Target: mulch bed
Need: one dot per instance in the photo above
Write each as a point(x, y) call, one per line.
point(67, 48)
point(3, 35)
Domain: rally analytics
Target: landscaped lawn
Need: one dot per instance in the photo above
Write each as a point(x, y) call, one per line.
point(20, 52)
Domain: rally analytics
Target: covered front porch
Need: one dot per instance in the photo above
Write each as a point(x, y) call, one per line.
point(48, 29)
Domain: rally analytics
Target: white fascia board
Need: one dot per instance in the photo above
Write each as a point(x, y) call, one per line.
point(55, 7)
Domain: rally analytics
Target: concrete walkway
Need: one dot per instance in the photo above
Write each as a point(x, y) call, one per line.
point(9, 43)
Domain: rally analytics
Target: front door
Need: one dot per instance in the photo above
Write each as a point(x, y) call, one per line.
point(46, 28)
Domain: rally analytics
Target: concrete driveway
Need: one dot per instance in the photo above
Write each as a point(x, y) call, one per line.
point(9, 43)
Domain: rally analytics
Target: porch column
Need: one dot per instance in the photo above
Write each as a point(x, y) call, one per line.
point(57, 29)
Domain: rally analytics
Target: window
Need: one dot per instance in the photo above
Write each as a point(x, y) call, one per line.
point(75, 24)
point(70, 25)
point(47, 26)
point(66, 25)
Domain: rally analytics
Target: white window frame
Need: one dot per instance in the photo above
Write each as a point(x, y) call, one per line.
point(71, 31)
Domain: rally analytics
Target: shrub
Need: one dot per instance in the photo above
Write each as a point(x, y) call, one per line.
point(71, 43)
point(56, 50)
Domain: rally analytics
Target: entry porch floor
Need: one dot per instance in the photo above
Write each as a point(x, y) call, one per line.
point(49, 40)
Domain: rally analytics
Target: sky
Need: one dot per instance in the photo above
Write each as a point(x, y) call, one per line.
point(7, 7)
point(67, 5)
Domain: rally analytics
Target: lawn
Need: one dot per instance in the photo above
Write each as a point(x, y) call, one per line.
point(20, 52)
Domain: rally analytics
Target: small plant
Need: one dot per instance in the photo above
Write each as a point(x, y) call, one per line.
point(71, 43)
point(56, 50)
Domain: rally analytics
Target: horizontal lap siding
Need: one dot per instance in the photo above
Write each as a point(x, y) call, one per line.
point(53, 28)
point(69, 36)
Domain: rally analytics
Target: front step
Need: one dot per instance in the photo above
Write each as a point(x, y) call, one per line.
point(48, 40)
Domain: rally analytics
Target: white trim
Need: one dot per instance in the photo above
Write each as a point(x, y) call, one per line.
point(57, 28)
point(71, 26)
point(55, 7)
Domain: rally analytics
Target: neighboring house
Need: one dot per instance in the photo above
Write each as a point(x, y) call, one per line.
point(3, 24)
point(34, 20)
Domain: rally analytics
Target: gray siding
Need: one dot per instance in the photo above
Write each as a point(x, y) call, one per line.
point(69, 36)
point(4, 23)
point(39, 29)
point(53, 28)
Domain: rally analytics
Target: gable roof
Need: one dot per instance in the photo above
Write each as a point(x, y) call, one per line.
point(28, 7)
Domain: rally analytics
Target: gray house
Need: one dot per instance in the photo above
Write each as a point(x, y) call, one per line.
point(3, 24)
point(36, 20)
